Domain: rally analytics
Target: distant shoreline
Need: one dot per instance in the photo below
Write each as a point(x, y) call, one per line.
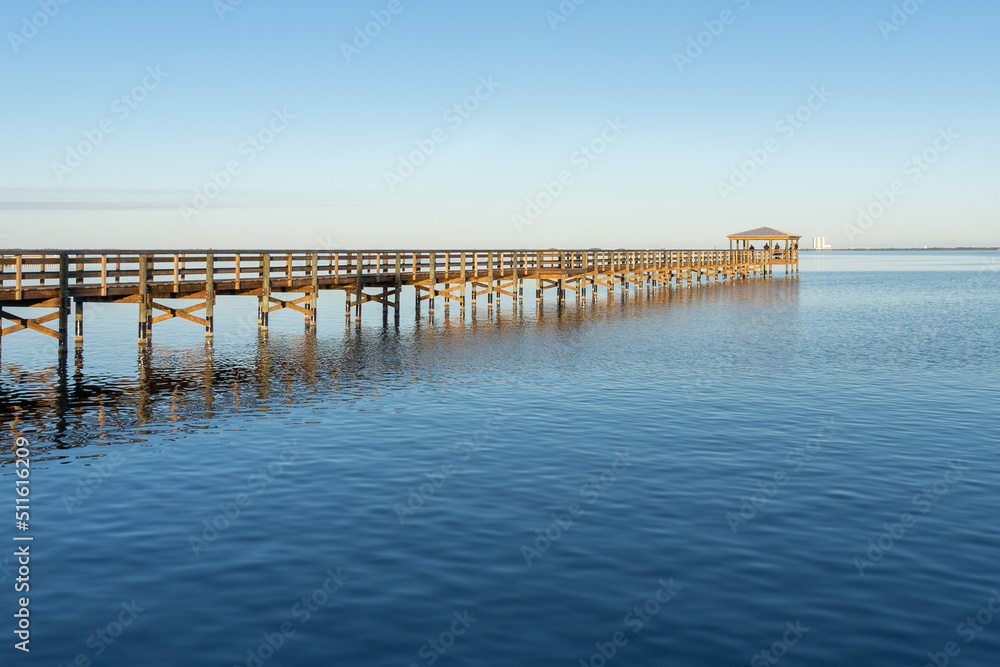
point(987, 248)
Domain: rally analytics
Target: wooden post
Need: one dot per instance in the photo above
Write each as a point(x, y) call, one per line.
point(151, 273)
point(360, 287)
point(475, 279)
point(314, 295)
point(80, 266)
point(520, 282)
point(502, 264)
point(432, 294)
point(561, 288)
point(592, 276)
point(210, 296)
point(416, 296)
point(464, 279)
point(489, 296)
point(78, 314)
point(63, 306)
point(265, 293)
point(447, 283)
point(144, 314)
point(399, 283)
point(538, 278)
point(18, 279)
point(515, 286)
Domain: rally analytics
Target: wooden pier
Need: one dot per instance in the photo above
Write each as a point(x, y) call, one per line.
point(62, 282)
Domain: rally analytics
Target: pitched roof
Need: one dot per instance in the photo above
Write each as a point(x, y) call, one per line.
point(764, 233)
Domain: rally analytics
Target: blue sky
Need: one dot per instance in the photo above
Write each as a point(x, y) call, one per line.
point(259, 128)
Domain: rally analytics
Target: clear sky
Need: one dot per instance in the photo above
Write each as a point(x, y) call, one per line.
point(220, 123)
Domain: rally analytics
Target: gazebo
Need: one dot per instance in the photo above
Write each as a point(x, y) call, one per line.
point(772, 252)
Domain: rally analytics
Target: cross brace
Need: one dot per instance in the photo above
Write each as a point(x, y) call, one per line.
point(183, 313)
point(352, 297)
point(33, 323)
point(293, 304)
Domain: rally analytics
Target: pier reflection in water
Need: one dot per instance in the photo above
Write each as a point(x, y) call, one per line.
point(370, 367)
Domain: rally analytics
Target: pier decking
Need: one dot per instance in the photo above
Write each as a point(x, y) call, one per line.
point(63, 281)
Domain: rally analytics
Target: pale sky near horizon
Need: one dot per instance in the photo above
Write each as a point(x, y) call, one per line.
point(519, 124)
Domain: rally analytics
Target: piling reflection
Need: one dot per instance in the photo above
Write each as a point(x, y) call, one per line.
point(179, 388)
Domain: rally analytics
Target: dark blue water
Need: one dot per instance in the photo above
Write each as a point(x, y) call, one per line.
point(807, 468)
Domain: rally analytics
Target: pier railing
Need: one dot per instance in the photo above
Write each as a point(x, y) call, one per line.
point(27, 271)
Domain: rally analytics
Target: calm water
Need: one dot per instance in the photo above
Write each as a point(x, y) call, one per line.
point(689, 478)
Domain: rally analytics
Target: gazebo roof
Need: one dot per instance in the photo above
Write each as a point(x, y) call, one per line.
point(764, 234)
